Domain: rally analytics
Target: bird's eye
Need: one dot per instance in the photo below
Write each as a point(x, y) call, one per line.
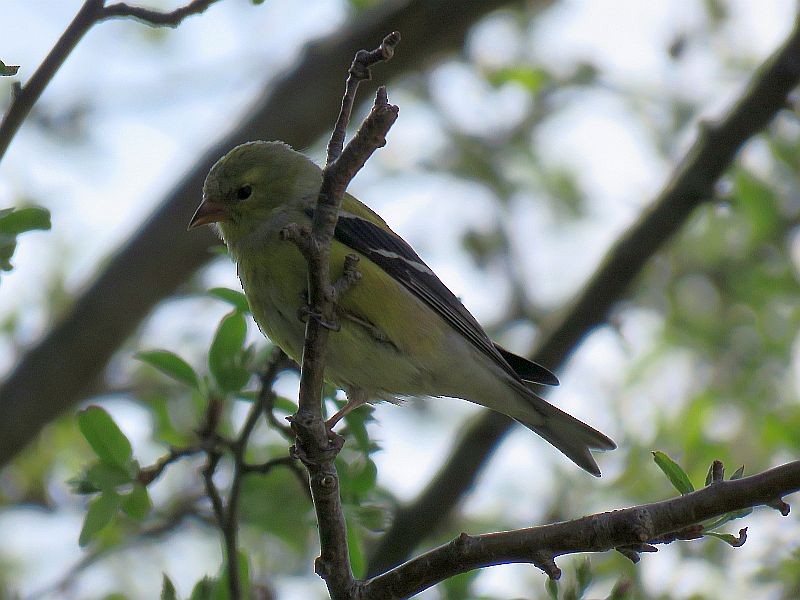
point(243, 193)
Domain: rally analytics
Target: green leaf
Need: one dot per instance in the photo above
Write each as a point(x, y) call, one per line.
point(729, 538)
point(277, 505)
point(165, 430)
point(137, 504)
point(8, 243)
point(357, 426)
point(460, 586)
point(355, 548)
point(101, 510)
point(584, 576)
point(226, 352)
point(676, 475)
point(108, 477)
point(283, 403)
point(203, 589)
point(236, 299)
point(105, 438)
point(364, 479)
point(374, 518)
point(551, 585)
point(531, 78)
point(8, 70)
point(16, 221)
point(168, 589)
point(221, 588)
point(738, 474)
point(757, 200)
point(170, 364)
point(24, 219)
point(726, 518)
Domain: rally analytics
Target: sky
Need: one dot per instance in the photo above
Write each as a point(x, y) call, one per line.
point(156, 97)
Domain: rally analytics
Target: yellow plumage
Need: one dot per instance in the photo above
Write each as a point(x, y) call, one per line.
point(402, 331)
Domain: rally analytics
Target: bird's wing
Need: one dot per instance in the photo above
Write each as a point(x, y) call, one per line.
point(527, 369)
point(393, 254)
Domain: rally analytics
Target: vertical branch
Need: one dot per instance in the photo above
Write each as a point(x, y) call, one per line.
point(227, 513)
point(315, 445)
point(359, 71)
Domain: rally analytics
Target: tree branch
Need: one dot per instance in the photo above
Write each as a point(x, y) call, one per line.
point(316, 446)
point(156, 18)
point(632, 529)
point(690, 185)
point(155, 261)
point(226, 513)
point(27, 95)
point(90, 13)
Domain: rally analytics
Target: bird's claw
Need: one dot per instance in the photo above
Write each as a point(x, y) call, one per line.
point(305, 313)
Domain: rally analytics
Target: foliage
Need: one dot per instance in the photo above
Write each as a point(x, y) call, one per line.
point(13, 222)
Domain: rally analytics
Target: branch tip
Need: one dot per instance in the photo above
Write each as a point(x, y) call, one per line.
point(781, 506)
point(716, 473)
point(388, 45)
point(350, 276)
point(629, 553)
point(741, 539)
point(381, 96)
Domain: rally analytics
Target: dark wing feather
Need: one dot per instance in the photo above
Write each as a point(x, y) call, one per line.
point(393, 254)
point(527, 369)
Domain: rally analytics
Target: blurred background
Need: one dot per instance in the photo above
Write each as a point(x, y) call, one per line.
point(531, 136)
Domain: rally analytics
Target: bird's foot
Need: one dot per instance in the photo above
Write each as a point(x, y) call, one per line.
point(304, 313)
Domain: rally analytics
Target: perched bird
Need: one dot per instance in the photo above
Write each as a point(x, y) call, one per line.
point(402, 332)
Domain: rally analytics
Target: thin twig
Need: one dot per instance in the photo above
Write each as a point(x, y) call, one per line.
point(165, 524)
point(359, 71)
point(27, 95)
point(266, 395)
point(149, 474)
point(156, 18)
point(91, 12)
point(267, 466)
point(227, 514)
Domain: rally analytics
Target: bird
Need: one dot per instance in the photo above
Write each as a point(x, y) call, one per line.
point(400, 331)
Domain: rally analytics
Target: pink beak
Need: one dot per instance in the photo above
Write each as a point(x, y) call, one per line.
point(208, 212)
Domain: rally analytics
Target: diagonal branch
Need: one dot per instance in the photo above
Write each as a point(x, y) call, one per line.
point(691, 184)
point(637, 527)
point(90, 13)
point(27, 95)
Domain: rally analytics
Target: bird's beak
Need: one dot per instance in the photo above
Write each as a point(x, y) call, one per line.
point(208, 212)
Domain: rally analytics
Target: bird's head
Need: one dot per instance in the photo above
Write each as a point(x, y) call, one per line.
point(251, 181)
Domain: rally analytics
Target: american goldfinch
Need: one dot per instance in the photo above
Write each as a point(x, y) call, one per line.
point(402, 332)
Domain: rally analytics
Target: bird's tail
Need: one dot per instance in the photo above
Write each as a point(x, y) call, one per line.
point(572, 437)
